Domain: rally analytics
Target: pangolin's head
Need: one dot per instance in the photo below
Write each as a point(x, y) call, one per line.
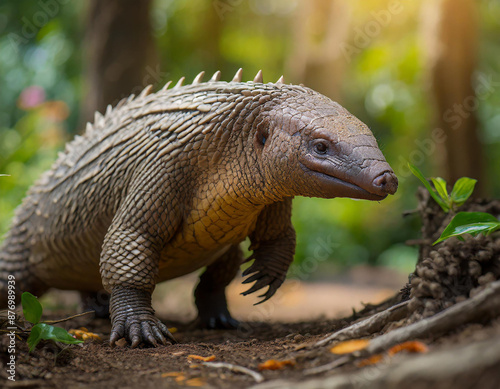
point(312, 146)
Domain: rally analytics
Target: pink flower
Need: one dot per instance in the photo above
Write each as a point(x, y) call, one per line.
point(31, 97)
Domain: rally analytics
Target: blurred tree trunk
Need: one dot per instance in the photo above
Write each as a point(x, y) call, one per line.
point(451, 40)
point(319, 30)
point(209, 37)
point(120, 53)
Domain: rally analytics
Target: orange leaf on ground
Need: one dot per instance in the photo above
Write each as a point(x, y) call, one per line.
point(373, 360)
point(172, 374)
point(411, 347)
point(195, 382)
point(349, 346)
point(273, 364)
point(84, 334)
point(200, 358)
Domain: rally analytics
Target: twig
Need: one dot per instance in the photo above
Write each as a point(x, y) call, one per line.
point(368, 326)
point(240, 369)
point(18, 331)
point(329, 366)
point(484, 304)
point(67, 318)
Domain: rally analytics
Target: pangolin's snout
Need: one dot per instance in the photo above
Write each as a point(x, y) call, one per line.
point(386, 183)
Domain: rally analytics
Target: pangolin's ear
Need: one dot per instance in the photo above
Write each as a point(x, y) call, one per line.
point(261, 136)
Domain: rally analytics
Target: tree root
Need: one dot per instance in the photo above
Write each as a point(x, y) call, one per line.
point(439, 367)
point(474, 365)
point(486, 304)
point(368, 326)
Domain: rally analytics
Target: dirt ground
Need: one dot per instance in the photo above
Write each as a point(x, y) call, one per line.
point(447, 314)
point(97, 365)
point(269, 331)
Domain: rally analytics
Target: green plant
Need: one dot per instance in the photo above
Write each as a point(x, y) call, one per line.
point(461, 191)
point(32, 310)
point(473, 223)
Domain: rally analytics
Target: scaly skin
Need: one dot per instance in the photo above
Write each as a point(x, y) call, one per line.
point(169, 182)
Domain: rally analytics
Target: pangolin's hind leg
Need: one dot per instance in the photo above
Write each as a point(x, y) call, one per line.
point(96, 301)
point(210, 295)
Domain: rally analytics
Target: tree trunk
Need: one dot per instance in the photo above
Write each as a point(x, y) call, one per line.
point(320, 29)
point(120, 53)
point(450, 28)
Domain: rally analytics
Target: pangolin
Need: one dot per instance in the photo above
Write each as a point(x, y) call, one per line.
point(170, 182)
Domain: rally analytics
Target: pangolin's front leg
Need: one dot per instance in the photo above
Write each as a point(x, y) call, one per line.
point(273, 245)
point(210, 295)
point(129, 264)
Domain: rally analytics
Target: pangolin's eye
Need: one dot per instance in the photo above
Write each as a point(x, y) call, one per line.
point(321, 148)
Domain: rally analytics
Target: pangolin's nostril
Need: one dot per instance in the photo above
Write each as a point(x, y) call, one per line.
point(387, 182)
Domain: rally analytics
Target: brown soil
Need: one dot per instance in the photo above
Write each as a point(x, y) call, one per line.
point(97, 365)
point(445, 275)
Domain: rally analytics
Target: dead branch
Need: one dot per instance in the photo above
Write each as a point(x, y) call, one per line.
point(483, 305)
point(471, 366)
point(236, 368)
point(368, 326)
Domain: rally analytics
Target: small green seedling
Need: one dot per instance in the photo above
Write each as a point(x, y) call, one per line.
point(461, 191)
point(473, 223)
point(32, 310)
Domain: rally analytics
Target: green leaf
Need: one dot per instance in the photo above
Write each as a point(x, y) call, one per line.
point(32, 309)
point(462, 190)
point(440, 185)
point(472, 223)
point(48, 332)
point(417, 173)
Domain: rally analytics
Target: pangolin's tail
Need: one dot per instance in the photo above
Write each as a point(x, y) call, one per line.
point(15, 273)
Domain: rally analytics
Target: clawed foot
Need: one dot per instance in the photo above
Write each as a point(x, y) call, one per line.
point(133, 318)
point(212, 311)
point(139, 329)
point(263, 277)
point(218, 321)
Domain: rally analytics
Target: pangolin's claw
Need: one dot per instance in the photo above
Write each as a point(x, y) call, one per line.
point(253, 278)
point(248, 271)
point(140, 329)
point(273, 287)
point(133, 318)
point(262, 281)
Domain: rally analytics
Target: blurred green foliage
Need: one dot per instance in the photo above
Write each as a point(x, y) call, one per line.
point(383, 84)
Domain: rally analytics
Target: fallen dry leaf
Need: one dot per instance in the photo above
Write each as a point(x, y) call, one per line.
point(374, 359)
point(411, 347)
point(84, 334)
point(200, 358)
point(195, 382)
point(172, 374)
point(349, 346)
point(273, 364)
point(121, 342)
